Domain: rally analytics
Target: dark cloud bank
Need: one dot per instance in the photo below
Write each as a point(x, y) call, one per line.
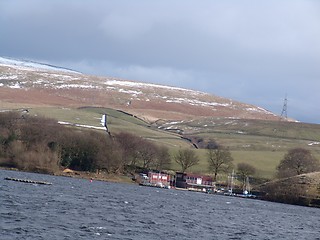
point(251, 51)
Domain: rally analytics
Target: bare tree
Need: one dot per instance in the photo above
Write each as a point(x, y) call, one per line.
point(245, 170)
point(219, 159)
point(186, 158)
point(129, 144)
point(212, 144)
point(9, 130)
point(109, 154)
point(297, 161)
point(147, 153)
point(163, 160)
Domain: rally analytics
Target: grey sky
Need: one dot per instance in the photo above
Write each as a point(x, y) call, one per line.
point(250, 51)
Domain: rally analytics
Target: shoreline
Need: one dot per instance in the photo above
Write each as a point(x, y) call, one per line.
point(82, 175)
point(113, 178)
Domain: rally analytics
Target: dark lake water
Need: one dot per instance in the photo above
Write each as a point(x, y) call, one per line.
point(77, 209)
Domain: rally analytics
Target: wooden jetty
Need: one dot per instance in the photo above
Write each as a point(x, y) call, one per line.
point(27, 181)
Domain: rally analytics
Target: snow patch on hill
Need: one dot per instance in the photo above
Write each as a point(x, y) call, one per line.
point(195, 102)
point(259, 110)
point(30, 65)
point(17, 74)
point(145, 85)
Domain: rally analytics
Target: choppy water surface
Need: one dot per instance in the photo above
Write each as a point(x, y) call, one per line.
point(78, 209)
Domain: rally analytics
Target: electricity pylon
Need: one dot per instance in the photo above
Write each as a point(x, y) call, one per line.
point(284, 113)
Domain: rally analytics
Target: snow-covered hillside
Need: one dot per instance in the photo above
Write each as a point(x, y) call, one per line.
point(27, 64)
point(55, 85)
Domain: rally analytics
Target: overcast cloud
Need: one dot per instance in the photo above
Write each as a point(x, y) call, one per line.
point(251, 51)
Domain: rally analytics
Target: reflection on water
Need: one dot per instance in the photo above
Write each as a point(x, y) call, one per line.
point(77, 209)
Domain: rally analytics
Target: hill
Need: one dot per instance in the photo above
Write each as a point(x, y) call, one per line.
point(31, 84)
point(170, 116)
point(303, 189)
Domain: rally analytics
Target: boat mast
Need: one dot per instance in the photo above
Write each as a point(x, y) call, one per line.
point(246, 186)
point(231, 182)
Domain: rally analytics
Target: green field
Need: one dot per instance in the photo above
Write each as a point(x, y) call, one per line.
point(259, 143)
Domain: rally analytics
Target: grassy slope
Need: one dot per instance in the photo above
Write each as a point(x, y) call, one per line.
point(117, 122)
point(260, 143)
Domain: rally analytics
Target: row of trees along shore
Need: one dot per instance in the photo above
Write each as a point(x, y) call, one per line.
point(42, 145)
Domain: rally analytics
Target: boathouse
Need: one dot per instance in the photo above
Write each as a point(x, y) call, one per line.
point(180, 180)
point(159, 179)
point(154, 179)
point(195, 182)
point(200, 182)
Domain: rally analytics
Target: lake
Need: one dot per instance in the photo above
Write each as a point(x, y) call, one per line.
point(79, 209)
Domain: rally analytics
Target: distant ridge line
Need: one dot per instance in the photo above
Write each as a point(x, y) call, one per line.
point(22, 62)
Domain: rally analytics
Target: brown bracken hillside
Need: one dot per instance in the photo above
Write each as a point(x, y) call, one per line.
point(30, 86)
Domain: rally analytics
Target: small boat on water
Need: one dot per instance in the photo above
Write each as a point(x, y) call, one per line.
point(230, 185)
point(246, 193)
point(247, 190)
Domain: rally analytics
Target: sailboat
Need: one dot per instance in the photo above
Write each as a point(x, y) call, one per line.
point(246, 189)
point(230, 185)
point(246, 186)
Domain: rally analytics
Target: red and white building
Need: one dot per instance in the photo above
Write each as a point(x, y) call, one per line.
point(154, 179)
point(195, 182)
point(159, 179)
